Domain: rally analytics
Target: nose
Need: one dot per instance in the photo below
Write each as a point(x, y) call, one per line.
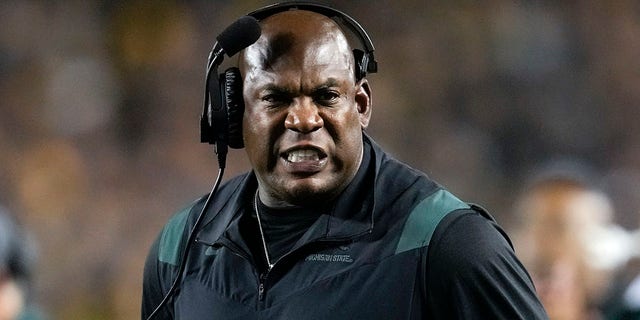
point(303, 116)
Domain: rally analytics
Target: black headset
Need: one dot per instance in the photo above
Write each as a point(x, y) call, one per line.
point(221, 124)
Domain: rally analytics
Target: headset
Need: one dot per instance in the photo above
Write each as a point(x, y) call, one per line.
point(221, 119)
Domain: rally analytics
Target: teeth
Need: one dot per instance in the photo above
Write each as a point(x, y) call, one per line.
point(303, 155)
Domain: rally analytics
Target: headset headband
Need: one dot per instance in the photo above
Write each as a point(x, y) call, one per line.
point(352, 24)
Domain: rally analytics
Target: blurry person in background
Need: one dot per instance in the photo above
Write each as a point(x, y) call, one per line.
point(622, 301)
point(569, 244)
point(17, 259)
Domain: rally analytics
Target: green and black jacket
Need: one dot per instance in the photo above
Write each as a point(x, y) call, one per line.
point(396, 246)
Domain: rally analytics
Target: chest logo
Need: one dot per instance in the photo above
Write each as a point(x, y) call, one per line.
point(320, 257)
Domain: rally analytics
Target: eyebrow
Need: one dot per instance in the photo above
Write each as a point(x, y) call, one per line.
point(330, 82)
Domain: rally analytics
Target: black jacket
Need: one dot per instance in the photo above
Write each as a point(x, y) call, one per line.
point(396, 246)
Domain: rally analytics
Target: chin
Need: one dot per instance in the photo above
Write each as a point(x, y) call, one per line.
point(305, 195)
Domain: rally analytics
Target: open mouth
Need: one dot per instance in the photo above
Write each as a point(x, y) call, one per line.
point(304, 155)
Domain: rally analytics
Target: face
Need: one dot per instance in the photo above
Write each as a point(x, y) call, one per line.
point(304, 112)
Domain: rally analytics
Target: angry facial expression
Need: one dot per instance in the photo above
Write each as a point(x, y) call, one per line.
point(304, 112)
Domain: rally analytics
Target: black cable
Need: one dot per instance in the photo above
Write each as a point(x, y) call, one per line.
point(192, 234)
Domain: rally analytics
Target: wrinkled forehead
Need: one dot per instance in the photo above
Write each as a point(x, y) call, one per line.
point(297, 38)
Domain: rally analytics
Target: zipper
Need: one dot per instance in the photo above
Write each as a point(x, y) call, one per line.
point(261, 290)
point(262, 287)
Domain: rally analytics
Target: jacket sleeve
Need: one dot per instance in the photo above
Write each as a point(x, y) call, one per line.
point(163, 262)
point(473, 272)
point(153, 288)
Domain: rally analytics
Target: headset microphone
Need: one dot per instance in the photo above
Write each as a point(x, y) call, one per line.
point(239, 35)
point(215, 122)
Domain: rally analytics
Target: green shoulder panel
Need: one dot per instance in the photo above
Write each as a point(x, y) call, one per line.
point(424, 219)
point(171, 239)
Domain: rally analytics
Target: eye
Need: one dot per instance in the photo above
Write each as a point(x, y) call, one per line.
point(275, 99)
point(326, 96)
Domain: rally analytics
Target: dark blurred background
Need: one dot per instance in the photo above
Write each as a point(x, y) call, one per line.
point(99, 107)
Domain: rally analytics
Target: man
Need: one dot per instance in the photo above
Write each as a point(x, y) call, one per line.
point(567, 239)
point(326, 225)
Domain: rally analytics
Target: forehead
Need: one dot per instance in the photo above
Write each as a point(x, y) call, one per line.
point(298, 41)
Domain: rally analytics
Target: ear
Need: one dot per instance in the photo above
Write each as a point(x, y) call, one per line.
point(363, 101)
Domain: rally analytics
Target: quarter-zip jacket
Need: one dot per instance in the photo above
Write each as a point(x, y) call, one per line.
point(396, 246)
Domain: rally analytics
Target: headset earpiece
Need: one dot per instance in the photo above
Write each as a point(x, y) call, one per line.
point(232, 82)
point(361, 63)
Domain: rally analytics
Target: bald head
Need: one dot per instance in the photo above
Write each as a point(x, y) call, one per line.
point(298, 37)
